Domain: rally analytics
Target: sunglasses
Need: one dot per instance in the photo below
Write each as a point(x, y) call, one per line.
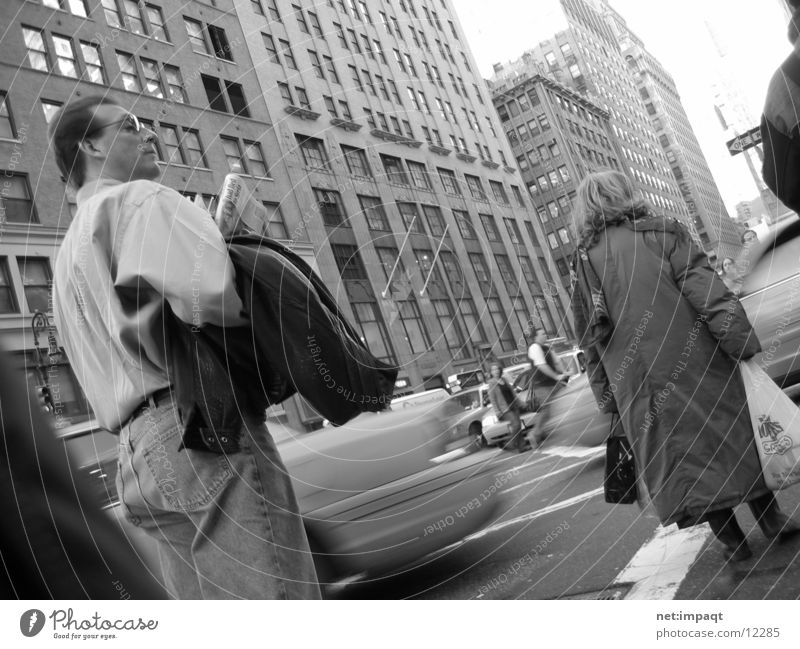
point(130, 121)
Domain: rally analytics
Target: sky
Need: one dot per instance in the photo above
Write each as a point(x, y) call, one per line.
point(701, 43)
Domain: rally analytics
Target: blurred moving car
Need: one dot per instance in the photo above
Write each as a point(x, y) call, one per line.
point(770, 295)
point(376, 494)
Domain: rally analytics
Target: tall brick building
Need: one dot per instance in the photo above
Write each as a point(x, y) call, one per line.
point(364, 129)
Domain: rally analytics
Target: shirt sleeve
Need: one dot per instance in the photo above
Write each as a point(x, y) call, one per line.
point(536, 354)
point(174, 247)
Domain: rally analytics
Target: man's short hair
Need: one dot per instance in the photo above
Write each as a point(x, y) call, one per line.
point(66, 131)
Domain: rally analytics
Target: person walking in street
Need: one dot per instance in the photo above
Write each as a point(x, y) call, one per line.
point(547, 378)
point(731, 275)
point(663, 337)
point(506, 407)
point(227, 525)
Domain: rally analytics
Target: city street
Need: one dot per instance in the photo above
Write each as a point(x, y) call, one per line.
point(555, 537)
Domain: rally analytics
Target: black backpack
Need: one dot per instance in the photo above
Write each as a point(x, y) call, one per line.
point(781, 168)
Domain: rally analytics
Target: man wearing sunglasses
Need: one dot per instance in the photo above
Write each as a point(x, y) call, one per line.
point(227, 525)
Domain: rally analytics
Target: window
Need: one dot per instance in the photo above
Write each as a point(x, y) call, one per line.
point(15, 199)
point(564, 236)
point(492, 233)
point(158, 29)
point(451, 329)
point(302, 97)
point(257, 8)
point(7, 130)
point(345, 109)
point(374, 213)
point(219, 42)
point(127, 67)
point(394, 170)
point(348, 261)
point(394, 271)
point(564, 173)
point(275, 226)
point(480, 268)
point(233, 154)
point(216, 96)
point(286, 92)
point(507, 274)
point(355, 77)
point(499, 192)
point(551, 239)
point(315, 24)
point(330, 105)
point(419, 174)
point(196, 39)
point(464, 223)
point(168, 136)
point(301, 19)
point(36, 279)
point(471, 320)
point(313, 150)
point(330, 207)
point(513, 231)
point(544, 123)
point(48, 107)
point(172, 74)
point(65, 56)
point(112, 14)
point(373, 330)
point(255, 159)
point(8, 299)
point(193, 149)
point(216, 100)
point(410, 216)
point(152, 82)
point(436, 224)
point(316, 64)
point(501, 323)
point(76, 7)
point(449, 181)
point(518, 195)
point(273, 10)
point(356, 160)
point(269, 45)
point(411, 319)
point(475, 187)
point(37, 50)
point(93, 64)
point(287, 54)
point(331, 69)
point(236, 98)
point(133, 17)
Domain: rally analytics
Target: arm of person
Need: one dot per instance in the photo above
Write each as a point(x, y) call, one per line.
point(176, 248)
point(708, 295)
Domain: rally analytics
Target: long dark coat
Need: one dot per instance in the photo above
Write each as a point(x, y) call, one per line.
point(670, 369)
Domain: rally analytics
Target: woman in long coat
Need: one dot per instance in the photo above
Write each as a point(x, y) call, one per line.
point(666, 338)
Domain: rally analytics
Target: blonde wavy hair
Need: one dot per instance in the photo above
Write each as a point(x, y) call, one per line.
point(605, 198)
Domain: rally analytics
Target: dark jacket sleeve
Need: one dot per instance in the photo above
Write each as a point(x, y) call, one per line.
point(707, 293)
point(598, 380)
point(496, 397)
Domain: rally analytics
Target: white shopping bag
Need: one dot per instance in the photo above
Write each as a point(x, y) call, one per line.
point(776, 425)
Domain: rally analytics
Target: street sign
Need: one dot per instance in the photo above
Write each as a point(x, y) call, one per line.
point(744, 141)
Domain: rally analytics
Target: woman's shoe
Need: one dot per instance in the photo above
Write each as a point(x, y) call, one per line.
point(725, 527)
point(772, 521)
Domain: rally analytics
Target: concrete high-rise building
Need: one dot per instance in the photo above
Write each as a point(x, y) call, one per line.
point(582, 53)
point(364, 129)
point(709, 217)
point(558, 136)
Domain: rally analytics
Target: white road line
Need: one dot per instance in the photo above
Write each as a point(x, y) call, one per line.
point(573, 451)
point(537, 514)
point(660, 565)
point(546, 475)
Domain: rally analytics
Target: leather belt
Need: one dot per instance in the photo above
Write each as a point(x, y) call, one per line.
point(157, 398)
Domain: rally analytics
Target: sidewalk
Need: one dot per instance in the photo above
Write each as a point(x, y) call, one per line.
point(772, 573)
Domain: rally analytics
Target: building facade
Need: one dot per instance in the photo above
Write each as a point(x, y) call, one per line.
point(557, 136)
point(709, 218)
point(364, 129)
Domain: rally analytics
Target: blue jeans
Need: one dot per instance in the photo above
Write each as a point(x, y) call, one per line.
point(227, 526)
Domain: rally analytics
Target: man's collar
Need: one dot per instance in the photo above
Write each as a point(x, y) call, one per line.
point(91, 188)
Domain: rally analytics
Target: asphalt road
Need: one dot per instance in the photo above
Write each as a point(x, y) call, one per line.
point(553, 537)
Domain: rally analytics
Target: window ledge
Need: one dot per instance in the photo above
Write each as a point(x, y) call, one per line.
point(302, 113)
point(508, 169)
point(439, 150)
point(489, 163)
point(346, 124)
point(466, 157)
point(387, 135)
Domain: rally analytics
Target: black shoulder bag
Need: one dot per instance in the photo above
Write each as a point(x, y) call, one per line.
point(619, 483)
